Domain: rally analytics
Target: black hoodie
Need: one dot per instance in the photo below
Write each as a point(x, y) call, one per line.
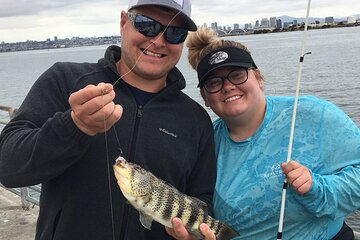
point(171, 136)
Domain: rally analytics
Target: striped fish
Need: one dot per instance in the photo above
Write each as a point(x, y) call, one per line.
point(159, 201)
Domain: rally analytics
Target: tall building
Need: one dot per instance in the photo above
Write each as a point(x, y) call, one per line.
point(265, 23)
point(273, 22)
point(278, 23)
point(214, 26)
point(257, 24)
point(236, 26)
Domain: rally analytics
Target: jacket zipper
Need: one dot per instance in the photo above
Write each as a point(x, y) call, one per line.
point(136, 130)
point(123, 232)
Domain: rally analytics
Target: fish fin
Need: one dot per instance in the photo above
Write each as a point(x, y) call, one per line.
point(146, 220)
point(146, 198)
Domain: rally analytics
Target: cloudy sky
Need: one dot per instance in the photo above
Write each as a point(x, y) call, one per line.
point(22, 20)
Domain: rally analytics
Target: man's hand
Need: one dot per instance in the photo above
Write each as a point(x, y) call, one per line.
point(93, 109)
point(298, 176)
point(179, 232)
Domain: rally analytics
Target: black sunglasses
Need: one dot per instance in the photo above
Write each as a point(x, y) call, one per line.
point(150, 28)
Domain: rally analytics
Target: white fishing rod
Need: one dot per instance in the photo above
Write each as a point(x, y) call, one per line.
point(285, 184)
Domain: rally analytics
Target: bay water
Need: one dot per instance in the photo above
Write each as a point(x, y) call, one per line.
point(331, 71)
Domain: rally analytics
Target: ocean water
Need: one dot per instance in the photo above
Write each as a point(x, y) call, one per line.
point(331, 71)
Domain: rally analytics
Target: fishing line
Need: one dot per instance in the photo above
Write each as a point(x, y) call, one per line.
point(132, 68)
point(285, 183)
point(109, 181)
point(114, 128)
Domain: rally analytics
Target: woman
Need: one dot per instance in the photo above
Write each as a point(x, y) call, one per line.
point(251, 138)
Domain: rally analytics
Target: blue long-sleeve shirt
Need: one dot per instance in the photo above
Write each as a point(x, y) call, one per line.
point(249, 179)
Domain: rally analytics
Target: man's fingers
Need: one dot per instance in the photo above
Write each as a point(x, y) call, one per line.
point(207, 232)
point(180, 231)
point(87, 101)
point(103, 122)
point(101, 114)
point(93, 109)
point(90, 92)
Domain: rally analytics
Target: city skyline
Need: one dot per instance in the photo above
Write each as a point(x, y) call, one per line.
point(39, 20)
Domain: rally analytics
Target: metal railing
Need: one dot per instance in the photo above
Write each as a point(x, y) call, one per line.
point(29, 195)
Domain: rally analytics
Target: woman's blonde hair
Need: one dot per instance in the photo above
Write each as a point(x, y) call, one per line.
point(204, 41)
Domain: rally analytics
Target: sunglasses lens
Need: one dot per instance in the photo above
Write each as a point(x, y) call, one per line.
point(147, 26)
point(175, 35)
point(151, 28)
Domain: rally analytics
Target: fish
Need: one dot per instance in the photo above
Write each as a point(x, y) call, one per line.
point(157, 200)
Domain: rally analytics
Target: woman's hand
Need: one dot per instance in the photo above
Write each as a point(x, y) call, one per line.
point(298, 176)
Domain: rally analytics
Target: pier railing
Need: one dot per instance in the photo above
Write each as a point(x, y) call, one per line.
point(29, 195)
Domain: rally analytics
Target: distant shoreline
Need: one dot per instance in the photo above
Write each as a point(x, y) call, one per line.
point(97, 41)
point(58, 43)
point(293, 29)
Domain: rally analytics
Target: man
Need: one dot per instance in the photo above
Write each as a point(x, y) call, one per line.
point(78, 118)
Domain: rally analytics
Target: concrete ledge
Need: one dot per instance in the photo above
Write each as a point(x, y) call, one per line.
point(15, 222)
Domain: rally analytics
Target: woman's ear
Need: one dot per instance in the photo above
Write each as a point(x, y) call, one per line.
point(203, 95)
point(260, 79)
point(261, 84)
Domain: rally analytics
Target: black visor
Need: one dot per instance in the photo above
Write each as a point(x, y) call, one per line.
point(223, 57)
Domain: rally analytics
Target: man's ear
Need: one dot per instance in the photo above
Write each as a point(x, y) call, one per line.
point(123, 19)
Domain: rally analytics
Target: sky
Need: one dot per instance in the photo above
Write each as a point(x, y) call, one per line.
point(22, 20)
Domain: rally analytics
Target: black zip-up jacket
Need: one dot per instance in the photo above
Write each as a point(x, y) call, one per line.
point(171, 136)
